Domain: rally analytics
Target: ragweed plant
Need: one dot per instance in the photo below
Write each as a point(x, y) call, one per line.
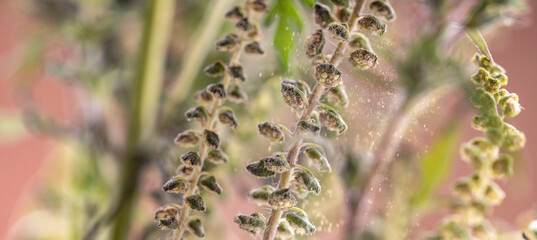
point(191, 174)
point(316, 107)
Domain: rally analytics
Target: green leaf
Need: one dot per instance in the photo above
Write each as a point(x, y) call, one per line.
point(479, 41)
point(435, 165)
point(310, 3)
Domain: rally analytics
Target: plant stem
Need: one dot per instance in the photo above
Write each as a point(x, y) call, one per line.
point(313, 102)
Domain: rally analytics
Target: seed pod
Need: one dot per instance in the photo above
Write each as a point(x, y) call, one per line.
point(217, 156)
point(176, 184)
point(258, 6)
point(165, 212)
point(358, 41)
point(243, 25)
point(191, 159)
point(308, 127)
point(253, 223)
point(284, 230)
point(237, 72)
point(282, 199)
point(514, 139)
point(363, 59)
point(314, 43)
point(236, 94)
point(228, 43)
point(194, 226)
point(235, 13)
point(227, 118)
point(293, 96)
point(382, 9)
point(195, 202)
point(372, 25)
point(331, 120)
point(260, 195)
point(203, 97)
point(336, 96)
point(306, 180)
point(328, 75)
point(168, 223)
point(277, 163)
point(211, 139)
point(209, 183)
point(322, 15)
point(316, 155)
point(253, 48)
point(217, 90)
point(187, 139)
point(272, 131)
point(503, 166)
point(299, 221)
point(185, 171)
point(343, 14)
point(259, 169)
point(216, 69)
point(480, 76)
point(494, 194)
point(510, 105)
point(198, 114)
point(339, 31)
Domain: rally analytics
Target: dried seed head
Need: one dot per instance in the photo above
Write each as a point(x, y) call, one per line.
point(209, 183)
point(308, 127)
point(503, 166)
point(237, 72)
point(168, 223)
point(343, 14)
point(253, 223)
point(331, 120)
point(336, 97)
point(305, 179)
point(176, 184)
point(372, 25)
point(244, 25)
point(277, 163)
point(382, 9)
point(328, 75)
point(316, 155)
point(187, 138)
point(494, 194)
point(282, 199)
point(217, 90)
point(253, 48)
point(258, 6)
point(227, 118)
point(322, 15)
point(358, 41)
point(284, 230)
point(514, 139)
point(217, 156)
point(235, 13)
point(185, 171)
point(260, 195)
point(194, 226)
point(198, 114)
point(339, 31)
point(228, 43)
point(211, 139)
point(195, 202)
point(480, 76)
point(299, 221)
point(203, 97)
point(272, 131)
point(236, 94)
point(510, 105)
point(259, 169)
point(315, 43)
point(363, 59)
point(191, 159)
point(293, 96)
point(215, 69)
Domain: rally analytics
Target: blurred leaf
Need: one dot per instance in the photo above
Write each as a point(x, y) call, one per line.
point(436, 164)
point(310, 3)
point(11, 127)
point(479, 42)
point(289, 23)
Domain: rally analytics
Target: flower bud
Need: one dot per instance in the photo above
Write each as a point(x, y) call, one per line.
point(253, 48)
point(243, 25)
point(191, 159)
point(341, 3)
point(479, 150)
point(483, 100)
point(272, 131)
point(475, 212)
point(331, 120)
point(514, 139)
point(484, 231)
point(282, 199)
point(217, 90)
point(372, 25)
point(211, 139)
point(382, 9)
point(187, 139)
point(293, 97)
point(316, 155)
point(166, 212)
point(277, 163)
point(476, 182)
point(328, 75)
point(494, 135)
point(300, 84)
point(452, 229)
point(185, 171)
point(260, 195)
point(215, 69)
point(363, 59)
point(209, 183)
point(254, 33)
point(236, 94)
point(195, 202)
point(492, 85)
point(336, 96)
point(176, 184)
point(338, 31)
point(510, 105)
point(314, 43)
point(168, 223)
point(500, 94)
point(343, 14)
point(480, 76)
point(494, 194)
point(259, 169)
point(194, 226)
point(308, 127)
point(258, 5)
point(198, 114)
point(358, 41)
point(203, 97)
point(217, 156)
point(253, 223)
point(306, 180)
point(503, 166)
point(502, 78)
point(228, 43)
point(227, 118)
point(299, 221)
point(322, 15)
point(462, 189)
point(237, 72)
point(235, 13)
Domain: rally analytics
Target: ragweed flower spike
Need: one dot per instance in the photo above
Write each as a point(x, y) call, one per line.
point(190, 181)
point(318, 108)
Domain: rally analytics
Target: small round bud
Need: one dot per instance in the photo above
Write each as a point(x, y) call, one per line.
point(253, 223)
point(237, 72)
point(217, 90)
point(260, 195)
point(514, 139)
point(253, 48)
point(500, 94)
point(282, 199)
point(341, 3)
point(217, 156)
point(198, 114)
point(284, 230)
point(176, 184)
point(322, 15)
point(494, 194)
point(272, 131)
point(195, 202)
point(258, 6)
point(187, 139)
point(235, 13)
point(215, 69)
point(228, 43)
point(510, 105)
point(211, 139)
point(363, 59)
point(492, 85)
point(236, 94)
point(503, 166)
point(209, 183)
point(227, 118)
point(494, 135)
point(331, 120)
point(480, 76)
point(475, 212)
point(343, 14)
point(299, 221)
point(203, 97)
point(293, 96)
point(194, 226)
point(483, 100)
point(452, 229)
point(259, 169)
point(372, 25)
point(462, 189)
point(339, 31)
point(244, 25)
point(484, 231)
point(314, 43)
point(191, 159)
point(328, 75)
point(358, 41)
point(382, 9)
point(305, 179)
point(168, 223)
point(277, 163)
point(165, 212)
